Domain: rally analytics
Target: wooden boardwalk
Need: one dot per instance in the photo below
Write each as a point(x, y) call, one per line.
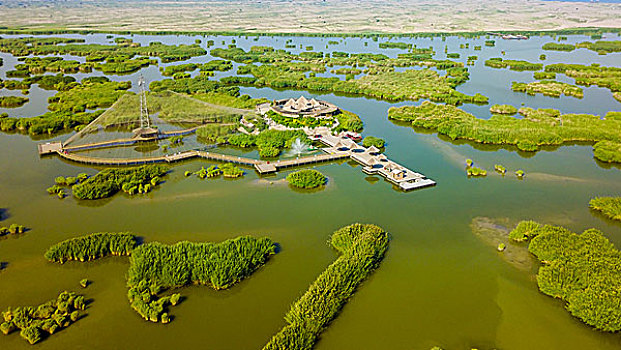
point(337, 148)
point(261, 166)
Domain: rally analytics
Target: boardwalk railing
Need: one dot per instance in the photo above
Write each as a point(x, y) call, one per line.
point(260, 165)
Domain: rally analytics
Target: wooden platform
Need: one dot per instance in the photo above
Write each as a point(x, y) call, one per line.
point(49, 147)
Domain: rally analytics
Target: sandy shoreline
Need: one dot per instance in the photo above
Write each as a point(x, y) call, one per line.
point(310, 16)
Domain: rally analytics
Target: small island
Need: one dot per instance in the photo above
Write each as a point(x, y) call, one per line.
point(306, 179)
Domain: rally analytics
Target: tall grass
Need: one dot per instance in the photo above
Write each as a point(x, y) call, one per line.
point(91, 247)
point(361, 249)
point(538, 127)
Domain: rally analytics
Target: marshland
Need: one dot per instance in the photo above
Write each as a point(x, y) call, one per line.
point(434, 262)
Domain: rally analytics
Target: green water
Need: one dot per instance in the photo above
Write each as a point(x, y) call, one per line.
point(438, 285)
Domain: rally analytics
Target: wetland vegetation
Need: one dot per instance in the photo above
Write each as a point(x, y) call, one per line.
point(373, 141)
point(498, 62)
point(12, 101)
point(106, 183)
point(91, 247)
point(503, 109)
point(548, 88)
point(361, 248)
point(600, 46)
point(609, 206)
point(38, 322)
point(306, 179)
point(538, 127)
point(387, 75)
point(155, 267)
point(13, 229)
point(580, 269)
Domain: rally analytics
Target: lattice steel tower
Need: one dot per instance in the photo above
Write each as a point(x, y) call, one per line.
point(145, 122)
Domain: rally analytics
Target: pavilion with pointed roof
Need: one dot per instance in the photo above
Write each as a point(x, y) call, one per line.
point(303, 107)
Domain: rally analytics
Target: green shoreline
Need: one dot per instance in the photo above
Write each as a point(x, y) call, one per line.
point(567, 31)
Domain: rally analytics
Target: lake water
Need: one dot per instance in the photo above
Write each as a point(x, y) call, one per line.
point(438, 285)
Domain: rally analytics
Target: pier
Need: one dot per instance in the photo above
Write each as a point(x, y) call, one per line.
point(337, 148)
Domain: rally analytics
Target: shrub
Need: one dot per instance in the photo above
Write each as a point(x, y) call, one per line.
point(111, 180)
point(503, 109)
point(373, 141)
point(308, 178)
point(609, 206)
point(33, 321)
point(524, 230)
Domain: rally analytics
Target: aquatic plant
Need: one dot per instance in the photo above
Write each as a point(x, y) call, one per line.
point(231, 171)
point(361, 248)
point(518, 65)
point(373, 141)
point(394, 45)
point(606, 77)
point(607, 151)
point(13, 229)
point(524, 231)
point(500, 169)
point(215, 133)
point(609, 206)
point(544, 75)
point(503, 109)
point(155, 267)
point(548, 88)
point(537, 128)
point(582, 270)
point(12, 101)
point(112, 180)
point(558, 47)
point(91, 247)
point(307, 178)
point(476, 172)
point(33, 321)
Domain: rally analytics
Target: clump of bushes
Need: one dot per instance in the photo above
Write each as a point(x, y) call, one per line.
point(231, 171)
point(34, 321)
point(503, 109)
point(91, 247)
point(524, 231)
point(500, 169)
point(155, 267)
point(581, 269)
point(12, 101)
point(111, 180)
point(476, 172)
point(12, 229)
point(373, 141)
point(607, 151)
point(361, 248)
point(269, 142)
point(306, 179)
point(212, 171)
point(609, 206)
